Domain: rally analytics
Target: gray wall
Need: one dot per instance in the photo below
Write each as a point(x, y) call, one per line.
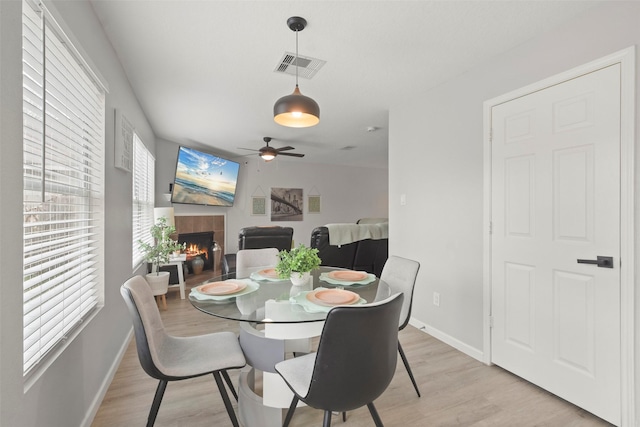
point(10, 212)
point(436, 159)
point(347, 193)
point(64, 395)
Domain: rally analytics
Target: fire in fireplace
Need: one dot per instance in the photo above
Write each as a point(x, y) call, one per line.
point(198, 245)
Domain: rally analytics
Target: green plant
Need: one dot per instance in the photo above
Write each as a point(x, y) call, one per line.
point(301, 259)
point(163, 246)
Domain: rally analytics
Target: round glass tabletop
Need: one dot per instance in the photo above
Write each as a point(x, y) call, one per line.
point(263, 298)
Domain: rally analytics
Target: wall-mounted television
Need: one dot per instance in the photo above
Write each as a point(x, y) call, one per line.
point(204, 179)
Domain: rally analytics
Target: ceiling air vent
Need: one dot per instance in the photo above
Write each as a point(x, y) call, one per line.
point(307, 66)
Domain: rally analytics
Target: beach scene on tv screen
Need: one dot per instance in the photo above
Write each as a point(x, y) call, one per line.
point(204, 179)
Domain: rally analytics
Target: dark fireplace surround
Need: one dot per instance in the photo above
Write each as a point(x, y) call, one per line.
point(213, 225)
point(198, 245)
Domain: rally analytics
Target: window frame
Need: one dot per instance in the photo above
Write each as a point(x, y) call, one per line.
point(143, 195)
point(63, 190)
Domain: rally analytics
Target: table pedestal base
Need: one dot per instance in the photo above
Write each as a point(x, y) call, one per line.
point(263, 353)
point(251, 410)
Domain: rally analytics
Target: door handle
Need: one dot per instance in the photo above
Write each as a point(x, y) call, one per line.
point(601, 261)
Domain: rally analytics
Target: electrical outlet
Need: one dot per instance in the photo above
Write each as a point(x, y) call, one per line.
point(436, 299)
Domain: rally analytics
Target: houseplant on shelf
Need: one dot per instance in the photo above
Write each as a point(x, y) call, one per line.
point(159, 253)
point(297, 264)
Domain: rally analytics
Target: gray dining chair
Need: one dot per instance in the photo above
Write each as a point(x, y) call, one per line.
point(339, 377)
point(400, 274)
point(171, 358)
point(251, 260)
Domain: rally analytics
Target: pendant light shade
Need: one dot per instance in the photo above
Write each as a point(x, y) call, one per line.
point(296, 110)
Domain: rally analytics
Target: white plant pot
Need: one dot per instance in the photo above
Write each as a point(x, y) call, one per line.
point(299, 279)
point(159, 283)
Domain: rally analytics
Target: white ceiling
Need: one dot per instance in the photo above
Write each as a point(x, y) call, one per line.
point(203, 71)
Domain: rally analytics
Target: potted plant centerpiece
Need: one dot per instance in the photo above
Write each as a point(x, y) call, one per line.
point(297, 264)
point(159, 253)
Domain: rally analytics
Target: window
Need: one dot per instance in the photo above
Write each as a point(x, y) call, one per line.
point(143, 197)
point(63, 193)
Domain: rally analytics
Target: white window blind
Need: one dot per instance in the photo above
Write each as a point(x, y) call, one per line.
point(143, 197)
point(63, 192)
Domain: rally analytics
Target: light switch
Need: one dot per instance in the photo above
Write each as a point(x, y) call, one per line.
point(403, 199)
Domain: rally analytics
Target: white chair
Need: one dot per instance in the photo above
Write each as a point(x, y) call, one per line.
point(169, 358)
point(251, 260)
point(400, 274)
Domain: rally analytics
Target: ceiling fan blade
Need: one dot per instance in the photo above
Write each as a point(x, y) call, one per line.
point(250, 149)
point(291, 154)
point(288, 147)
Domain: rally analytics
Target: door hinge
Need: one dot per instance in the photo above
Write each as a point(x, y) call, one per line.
point(491, 321)
point(491, 135)
point(490, 227)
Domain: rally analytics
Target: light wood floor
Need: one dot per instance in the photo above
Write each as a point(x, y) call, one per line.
point(456, 389)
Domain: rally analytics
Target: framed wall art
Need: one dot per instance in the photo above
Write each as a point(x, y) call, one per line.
point(314, 204)
point(287, 204)
point(258, 205)
point(123, 142)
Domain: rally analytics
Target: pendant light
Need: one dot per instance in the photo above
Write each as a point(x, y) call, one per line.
point(296, 110)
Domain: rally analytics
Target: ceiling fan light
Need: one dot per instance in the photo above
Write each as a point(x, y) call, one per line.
point(296, 110)
point(267, 153)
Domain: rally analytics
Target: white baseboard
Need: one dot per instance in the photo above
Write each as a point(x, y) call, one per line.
point(97, 400)
point(449, 340)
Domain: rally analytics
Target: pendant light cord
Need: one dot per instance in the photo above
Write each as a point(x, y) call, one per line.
point(296, 58)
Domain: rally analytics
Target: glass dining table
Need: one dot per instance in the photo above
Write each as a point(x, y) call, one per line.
point(277, 319)
point(268, 299)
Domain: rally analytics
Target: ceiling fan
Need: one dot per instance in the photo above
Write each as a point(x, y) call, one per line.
point(269, 153)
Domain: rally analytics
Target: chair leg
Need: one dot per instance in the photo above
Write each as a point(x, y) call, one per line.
point(225, 375)
point(292, 409)
point(344, 417)
point(225, 399)
point(406, 365)
point(157, 399)
point(374, 415)
point(327, 419)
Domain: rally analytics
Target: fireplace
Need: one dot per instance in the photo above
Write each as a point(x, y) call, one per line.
point(198, 245)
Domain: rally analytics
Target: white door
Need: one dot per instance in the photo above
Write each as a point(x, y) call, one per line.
point(555, 200)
